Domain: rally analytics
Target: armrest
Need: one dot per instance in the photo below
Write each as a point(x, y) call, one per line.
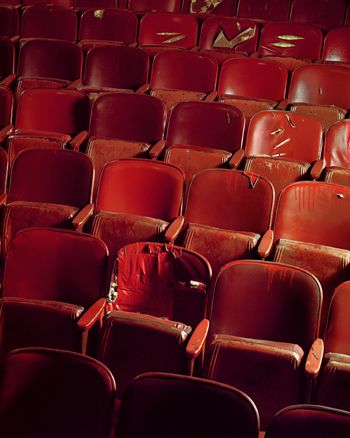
point(8, 81)
point(314, 358)
point(283, 104)
point(211, 96)
point(3, 199)
point(266, 243)
point(78, 140)
point(236, 159)
point(83, 216)
point(143, 88)
point(317, 169)
point(157, 149)
point(197, 339)
point(5, 131)
point(15, 38)
point(93, 314)
point(174, 229)
point(75, 84)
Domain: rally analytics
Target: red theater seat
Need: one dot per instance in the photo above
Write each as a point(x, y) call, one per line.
point(163, 394)
point(227, 212)
point(9, 20)
point(48, 63)
point(143, 6)
point(215, 7)
point(321, 91)
point(114, 68)
point(304, 421)
point(49, 118)
point(222, 37)
point(202, 135)
point(332, 386)
point(108, 26)
point(237, 87)
point(264, 10)
point(264, 320)
point(43, 21)
point(336, 153)
point(55, 393)
point(82, 5)
point(323, 13)
point(137, 200)
point(54, 290)
point(178, 76)
point(336, 46)
point(161, 295)
point(159, 31)
point(293, 44)
point(124, 125)
point(283, 147)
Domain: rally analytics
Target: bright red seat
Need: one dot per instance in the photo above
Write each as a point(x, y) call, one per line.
point(336, 47)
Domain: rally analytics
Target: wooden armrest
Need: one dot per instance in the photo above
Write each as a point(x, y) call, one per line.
point(174, 229)
point(8, 81)
point(236, 159)
point(5, 131)
point(283, 104)
point(75, 84)
point(317, 169)
point(78, 140)
point(266, 243)
point(157, 149)
point(197, 339)
point(211, 96)
point(314, 358)
point(93, 314)
point(143, 88)
point(83, 216)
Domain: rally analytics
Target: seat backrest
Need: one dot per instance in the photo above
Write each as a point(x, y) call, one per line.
point(215, 7)
point(337, 339)
point(234, 415)
point(191, 123)
point(128, 116)
point(7, 57)
point(154, 5)
point(162, 280)
point(265, 300)
point(336, 47)
point(230, 199)
point(55, 393)
point(4, 166)
point(231, 34)
point(50, 59)
point(324, 13)
point(58, 265)
point(336, 145)
point(309, 420)
point(281, 134)
point(52, 176)
point(184, 70)
point(320, 85)
point(270, 78)
point(64, 3)
point(6, 106)
point(9, 20)
point(297, 40)
point(41, 21)
point(116, 67)
point(108, 24)
point(61, 111)
point(314, 212)
point(141, 187)
point(167, 30)
point(269, 10)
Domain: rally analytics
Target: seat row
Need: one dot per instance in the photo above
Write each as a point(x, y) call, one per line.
point(283, 146)
point(256, 329)
point(317, 12)
point(186, 75)
point(229, 36)
point(59, 393)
